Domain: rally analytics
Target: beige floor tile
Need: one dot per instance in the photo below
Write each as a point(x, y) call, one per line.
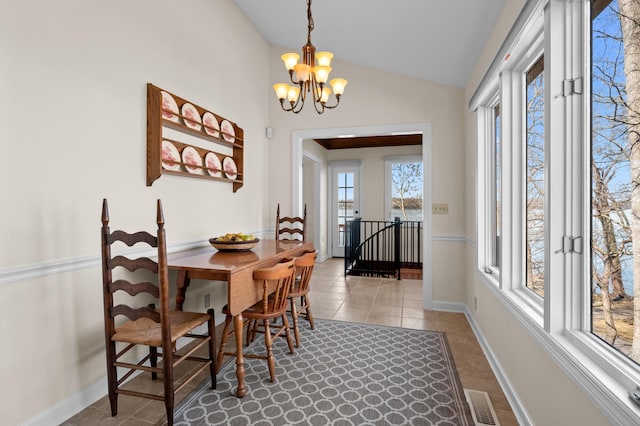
point(379, 319)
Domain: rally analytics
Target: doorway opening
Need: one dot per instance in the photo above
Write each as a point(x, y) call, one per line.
point(319, 210)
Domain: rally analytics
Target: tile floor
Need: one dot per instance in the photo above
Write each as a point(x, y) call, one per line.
point(366, 300)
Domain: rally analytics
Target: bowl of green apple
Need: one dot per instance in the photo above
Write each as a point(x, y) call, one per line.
point(234, 242)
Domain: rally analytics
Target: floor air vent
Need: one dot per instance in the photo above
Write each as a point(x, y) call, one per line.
point(481, 408)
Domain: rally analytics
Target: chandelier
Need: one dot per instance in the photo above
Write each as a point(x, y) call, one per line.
point(308, 78)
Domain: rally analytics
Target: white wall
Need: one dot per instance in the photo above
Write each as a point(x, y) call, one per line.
point(548, 394)
point(73, 78)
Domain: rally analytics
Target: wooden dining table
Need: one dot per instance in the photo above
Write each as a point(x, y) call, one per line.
point(236, 269)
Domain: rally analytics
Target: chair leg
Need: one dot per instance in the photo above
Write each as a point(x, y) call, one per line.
point(285, 321)
point(294, 315)
point(167, 363)
point(153, 360)
point(223, 342)
point(307, 305)
point(268, 343)
point(212, 348)
point(112, 378)
point(252, 326)
point(169, 409)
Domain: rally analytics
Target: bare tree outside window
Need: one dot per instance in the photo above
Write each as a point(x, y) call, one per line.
point(406, 190)
point(535, 219)
point(615, 174)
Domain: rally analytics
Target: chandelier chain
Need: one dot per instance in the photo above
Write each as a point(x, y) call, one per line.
point(310, 26)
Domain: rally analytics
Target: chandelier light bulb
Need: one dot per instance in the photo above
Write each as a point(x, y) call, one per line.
point(325, 94)
point(293, 94)
point(290, 60)
point(321, 73)
point(324, 58)
point(338, 85)
point(282, 89)
point(302, 72)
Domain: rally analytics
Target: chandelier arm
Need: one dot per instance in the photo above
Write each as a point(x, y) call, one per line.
point(291, 77)
point(333, 106)
point(283, 107)
point(299, 103)
point(317, 94)
point(321, 110)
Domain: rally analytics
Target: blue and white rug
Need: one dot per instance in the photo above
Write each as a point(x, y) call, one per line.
point(342, 374)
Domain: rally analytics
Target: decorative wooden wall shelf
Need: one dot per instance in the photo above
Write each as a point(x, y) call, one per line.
point(166, 155)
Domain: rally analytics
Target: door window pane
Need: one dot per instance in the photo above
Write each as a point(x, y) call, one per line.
point(345, 203)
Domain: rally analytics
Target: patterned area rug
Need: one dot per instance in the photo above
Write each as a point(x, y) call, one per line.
point(342, 374)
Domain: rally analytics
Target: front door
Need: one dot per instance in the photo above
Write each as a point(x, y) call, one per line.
point(345, 203)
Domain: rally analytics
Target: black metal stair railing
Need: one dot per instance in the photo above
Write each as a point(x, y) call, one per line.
point(382, 248)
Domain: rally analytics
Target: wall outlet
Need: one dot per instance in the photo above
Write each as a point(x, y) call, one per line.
point(207, 301)
point(475, 303)
point(440, 208)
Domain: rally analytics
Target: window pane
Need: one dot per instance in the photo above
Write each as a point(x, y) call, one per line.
point(497, 189)
point(345, 203)
point(406, 190)
point(535, 179)
point(612, 187)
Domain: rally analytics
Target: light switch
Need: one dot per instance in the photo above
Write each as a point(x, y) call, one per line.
point(440, 208)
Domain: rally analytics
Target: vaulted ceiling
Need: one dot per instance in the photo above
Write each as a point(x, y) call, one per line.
point(434, 40)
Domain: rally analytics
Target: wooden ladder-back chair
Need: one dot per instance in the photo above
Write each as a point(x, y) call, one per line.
point(145, 325)
point(291, 228)
point(304, 267)
point(276, 283)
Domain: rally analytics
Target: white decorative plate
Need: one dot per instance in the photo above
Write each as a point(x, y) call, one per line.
point(211, 125)
point(212, 163)
point(169, 106)
point(190, 157)
point(229, 167)
point(170, 156)
point(228, 133)
point(191, 116)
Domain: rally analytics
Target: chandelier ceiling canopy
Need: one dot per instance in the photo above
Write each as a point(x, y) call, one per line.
point(309, 77)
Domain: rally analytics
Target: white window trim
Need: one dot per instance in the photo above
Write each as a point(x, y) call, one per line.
point(601, 372)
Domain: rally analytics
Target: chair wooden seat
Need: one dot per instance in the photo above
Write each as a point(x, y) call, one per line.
point(276, 283)
point(157, 329)
point(144, 331)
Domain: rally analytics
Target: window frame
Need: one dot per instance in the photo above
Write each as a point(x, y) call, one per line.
point(560, 323)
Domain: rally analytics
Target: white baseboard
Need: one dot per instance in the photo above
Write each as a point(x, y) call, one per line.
point(515, 402)
point(70, 406)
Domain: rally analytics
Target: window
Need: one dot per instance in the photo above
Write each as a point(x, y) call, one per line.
point(534, 250)
point(405, 185)
point(496, 196)
point(613, 200)
point(557, 209)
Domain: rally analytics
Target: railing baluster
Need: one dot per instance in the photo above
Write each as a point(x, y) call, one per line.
point(380, 248)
